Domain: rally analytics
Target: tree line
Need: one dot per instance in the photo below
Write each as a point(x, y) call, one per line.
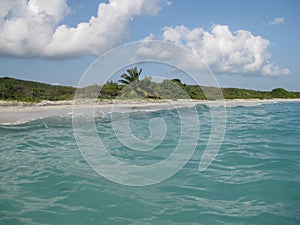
point(130, 85)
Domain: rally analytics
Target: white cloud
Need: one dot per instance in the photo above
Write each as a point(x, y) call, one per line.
point(276, 21)
point(168, 3)
point(31, 28)
point(240, 52)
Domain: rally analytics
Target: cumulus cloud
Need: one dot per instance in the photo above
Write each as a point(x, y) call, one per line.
point(276, 21)
point(239, 52)
point(168, 3)
point(30, 28)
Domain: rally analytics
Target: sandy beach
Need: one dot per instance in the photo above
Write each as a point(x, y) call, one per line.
point(18, 112)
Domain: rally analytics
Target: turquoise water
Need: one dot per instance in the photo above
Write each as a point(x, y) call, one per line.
point(255, 178)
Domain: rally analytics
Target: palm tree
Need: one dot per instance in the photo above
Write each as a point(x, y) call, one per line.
point(132, 76)
point(135, 88)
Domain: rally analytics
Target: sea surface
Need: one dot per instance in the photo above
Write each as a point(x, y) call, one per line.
point(255, 178)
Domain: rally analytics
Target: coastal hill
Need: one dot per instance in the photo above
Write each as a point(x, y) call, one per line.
point(22, 90)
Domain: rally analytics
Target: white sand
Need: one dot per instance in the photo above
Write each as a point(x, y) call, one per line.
point(17, 112)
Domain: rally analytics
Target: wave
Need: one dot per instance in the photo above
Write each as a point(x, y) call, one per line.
point(201, 107)
point(254, 178)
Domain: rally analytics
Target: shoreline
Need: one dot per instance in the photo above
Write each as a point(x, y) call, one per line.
point(19, 112)
point(15, 103)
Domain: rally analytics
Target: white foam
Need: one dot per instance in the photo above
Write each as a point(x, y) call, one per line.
point(19, 115)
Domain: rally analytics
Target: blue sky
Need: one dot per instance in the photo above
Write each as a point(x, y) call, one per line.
point(247, 44)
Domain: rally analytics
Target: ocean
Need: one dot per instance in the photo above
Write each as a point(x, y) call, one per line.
point(254, 179)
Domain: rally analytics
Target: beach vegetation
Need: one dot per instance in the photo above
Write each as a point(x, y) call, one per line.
point(131, 76)
point(131, 86)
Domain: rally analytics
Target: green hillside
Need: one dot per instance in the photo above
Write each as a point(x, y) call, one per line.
point(22, 90)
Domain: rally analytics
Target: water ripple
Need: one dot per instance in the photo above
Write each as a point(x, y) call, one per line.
point(255, 178)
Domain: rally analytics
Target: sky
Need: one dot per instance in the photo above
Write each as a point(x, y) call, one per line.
point(246, 44)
